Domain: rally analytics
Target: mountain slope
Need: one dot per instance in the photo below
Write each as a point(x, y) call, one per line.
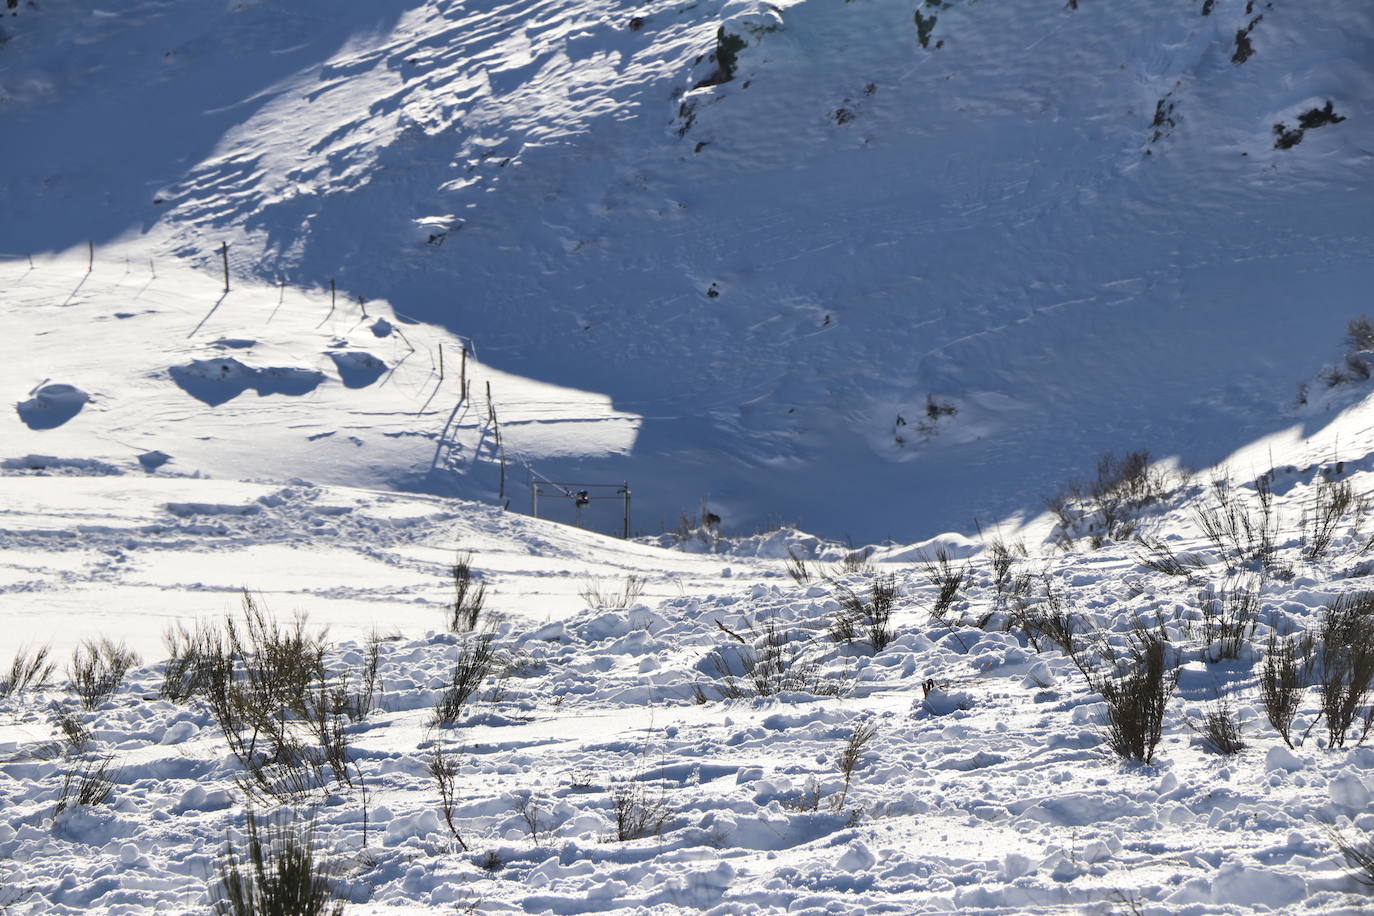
point(908, 264)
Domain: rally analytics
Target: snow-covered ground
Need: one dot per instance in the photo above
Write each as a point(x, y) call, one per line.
point(890, 270)
point(992, 792)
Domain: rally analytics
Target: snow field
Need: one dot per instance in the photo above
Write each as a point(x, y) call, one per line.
point(991, 792)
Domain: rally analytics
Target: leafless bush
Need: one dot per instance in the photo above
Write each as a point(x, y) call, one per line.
point(1330, 504)
point(1138, 697)
point(191, 657)
point(528, 807)
point(1219, 728)
point(1153, 553)
point(638, 812)
point(444, 769)
point(1228, 618)
point(767, 663)
point(30, 668)
point(328, 725)
point(874, 614)
point(797, 568)
point(91, 784)
point(844, 626)
point(1243, 531)
point(97, 668)
point(1105, 507)
point(851, 755)
point(1283, 678)
point(279, 663)
point(278, 873)
point(468, 596)
point(1359, 335)
point(474, 663)
point(263, 683)
point(1052, 617)
point(1347, 665)
point(597, 594)
point(942, 574)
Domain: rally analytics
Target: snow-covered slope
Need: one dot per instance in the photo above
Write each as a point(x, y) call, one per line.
point(910, 263)
point(988, 790)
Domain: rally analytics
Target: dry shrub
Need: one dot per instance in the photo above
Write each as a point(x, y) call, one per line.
point(1283, 679)
point(97, 668)
point(1137, 699)
point(30, 668)
point(278, 872)
point(1347, 666)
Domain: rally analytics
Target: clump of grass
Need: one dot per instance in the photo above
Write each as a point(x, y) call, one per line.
point(1137, 699)
point(97, 668)
point(277, 872)
point(1153, 553)
point(1219, 728)
point(31, 668)
point(942, 574)
point(1332, 501)
point(1228, 619)
point(469, 596)
point(474, 663)
point(851, 755)
point(769, 662)
point(873, 614)
point(797, 567)
point(597, 594)
point(1284, 676)
point(90, 784)
point(638, 812)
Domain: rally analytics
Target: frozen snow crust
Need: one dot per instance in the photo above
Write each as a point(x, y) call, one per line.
point(893, 272)
point(986, 788)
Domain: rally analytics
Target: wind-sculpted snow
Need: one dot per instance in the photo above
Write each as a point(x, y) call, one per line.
point(872, 273)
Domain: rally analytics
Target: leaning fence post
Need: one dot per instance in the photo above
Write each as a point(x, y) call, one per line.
point(224, 253)
point(90, 256)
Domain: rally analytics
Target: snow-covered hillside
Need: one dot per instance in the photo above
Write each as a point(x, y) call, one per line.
point(885, 268)
point(908, 264)
point(677, 742)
